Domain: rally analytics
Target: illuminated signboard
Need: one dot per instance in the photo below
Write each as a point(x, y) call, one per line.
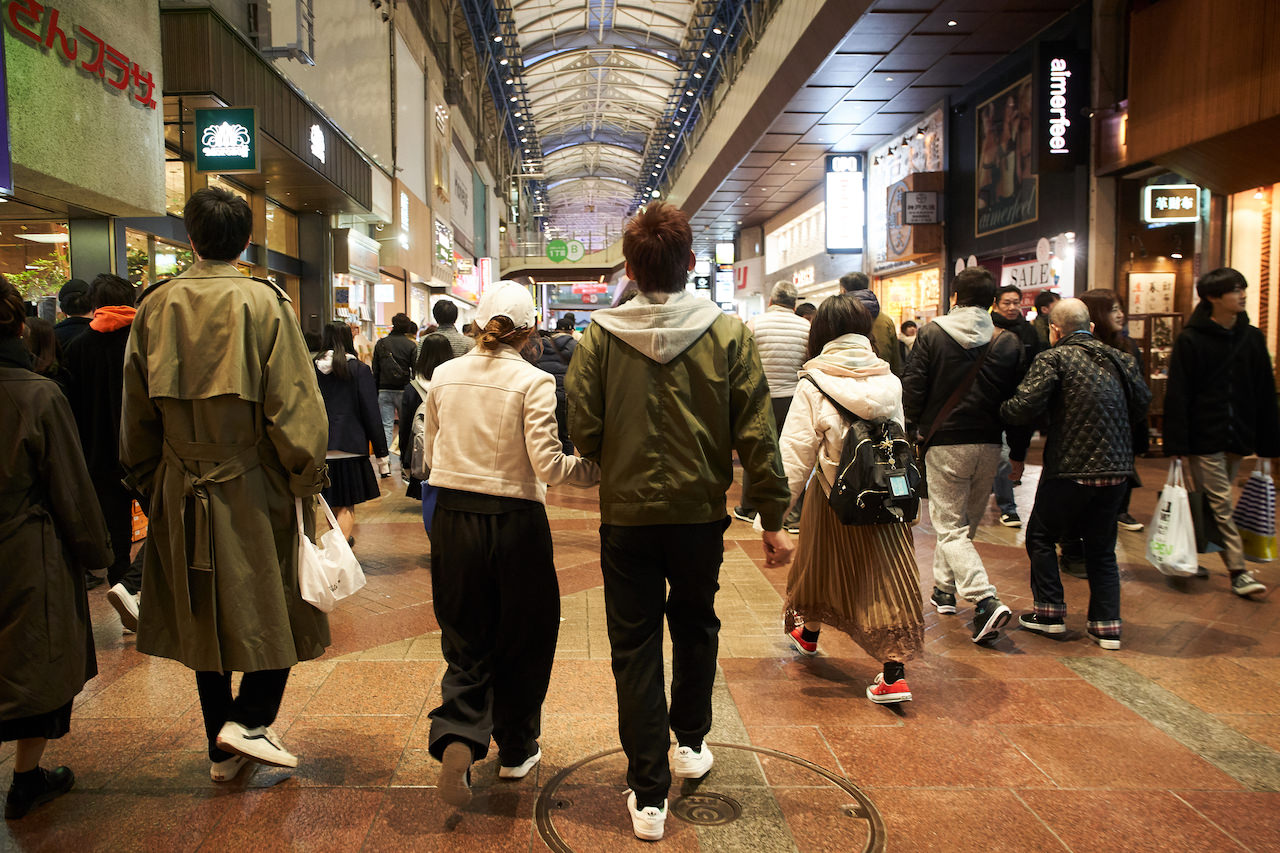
point(227, 140)
point(317, 142)
point(845, 207)
point(724, 253)
point(1171, 203)
point(1064, 92)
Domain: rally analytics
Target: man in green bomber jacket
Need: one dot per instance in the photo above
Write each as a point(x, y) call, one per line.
point(661, 391)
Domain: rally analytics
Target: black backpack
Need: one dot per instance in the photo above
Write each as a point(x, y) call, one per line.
point(877, 481)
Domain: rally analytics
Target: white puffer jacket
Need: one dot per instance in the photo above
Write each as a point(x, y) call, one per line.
point(782, 339)
point(849, 371)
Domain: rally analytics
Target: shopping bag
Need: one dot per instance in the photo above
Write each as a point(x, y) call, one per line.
point(1171, 546)
point(328, 570)
point(1255, 515)
point(1208, 534)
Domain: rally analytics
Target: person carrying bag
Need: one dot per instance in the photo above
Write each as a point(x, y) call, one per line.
point(1171, 547)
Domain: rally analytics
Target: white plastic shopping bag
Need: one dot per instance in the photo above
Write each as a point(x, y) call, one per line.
point(328, 570)
point(1171, 546)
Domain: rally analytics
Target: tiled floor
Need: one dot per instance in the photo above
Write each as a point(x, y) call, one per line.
point(1036, 744)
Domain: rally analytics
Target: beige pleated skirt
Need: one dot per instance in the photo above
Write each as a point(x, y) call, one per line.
point(861, 580)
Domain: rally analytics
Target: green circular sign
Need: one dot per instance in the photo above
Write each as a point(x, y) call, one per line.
point(576, 250)
point(557, 250)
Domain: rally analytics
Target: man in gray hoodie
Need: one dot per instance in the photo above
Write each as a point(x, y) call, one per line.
point(962, 369)
point(662, 391)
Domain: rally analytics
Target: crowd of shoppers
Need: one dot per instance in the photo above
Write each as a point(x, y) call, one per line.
point(227, 429)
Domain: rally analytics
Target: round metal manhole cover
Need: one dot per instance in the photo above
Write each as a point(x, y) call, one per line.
point(706, 809)
point(759, 793)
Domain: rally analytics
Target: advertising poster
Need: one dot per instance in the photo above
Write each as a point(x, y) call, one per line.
point(1006, 185)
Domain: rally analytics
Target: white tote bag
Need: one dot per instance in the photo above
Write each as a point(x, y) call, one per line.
point(328, 570)
point(1171, 546)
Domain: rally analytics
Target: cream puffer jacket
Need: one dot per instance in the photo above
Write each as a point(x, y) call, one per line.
point(491, 428)
point(849, 371)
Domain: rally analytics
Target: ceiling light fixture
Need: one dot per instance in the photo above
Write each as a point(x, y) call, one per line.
point(697, 75)
point(919, 133)
point(689, 93)
point(498, 39)
point(706, 54)
point(888, 79)
point(951, 23)
point(684, 109)
point(1176, 254)
point(510, 80)
point(671, 135)
point(1257, 194)
point(667, 145)
point(502, 61)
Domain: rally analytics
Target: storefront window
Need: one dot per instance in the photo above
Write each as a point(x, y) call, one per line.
point(34, 257)
point(151, 259)
point(911, 296)
point(282, 230)
point(175, 186)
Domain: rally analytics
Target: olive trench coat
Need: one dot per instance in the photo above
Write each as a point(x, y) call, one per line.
point(51, 530)
point(222, 427)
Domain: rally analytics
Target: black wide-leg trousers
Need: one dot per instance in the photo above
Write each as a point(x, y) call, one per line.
point(638, 563)
point(497, 600)
point(257, 704)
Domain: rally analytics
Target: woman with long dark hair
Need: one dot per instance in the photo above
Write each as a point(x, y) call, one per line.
point(859, 579)
point(434, 351)
point(49, 534)
point(46, 353)
point(351, 402)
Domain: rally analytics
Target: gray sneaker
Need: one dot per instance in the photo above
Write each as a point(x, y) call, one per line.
point(1244, 585)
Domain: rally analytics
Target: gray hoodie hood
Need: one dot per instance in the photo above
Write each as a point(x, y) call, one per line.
point(659, 325)
point(969, 326)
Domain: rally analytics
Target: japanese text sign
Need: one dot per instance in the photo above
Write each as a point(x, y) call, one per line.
point(42, 25)
point(1171, 203)
point(227, 140)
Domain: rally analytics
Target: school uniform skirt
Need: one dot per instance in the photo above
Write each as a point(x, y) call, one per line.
point(859, 579)
point(351, 481)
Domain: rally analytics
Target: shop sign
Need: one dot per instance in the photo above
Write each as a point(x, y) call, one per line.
point(1170, 203)
point(227, 140)
point(724, 283)
point(845, 209)
point(1032, 274)
point(590, 287)
point(724, 253)
point(39, 24)
point(317, 142)
point(1064, 86)
point(444, 244)
point(565, 250)
point(802, 277)
point(920, 208)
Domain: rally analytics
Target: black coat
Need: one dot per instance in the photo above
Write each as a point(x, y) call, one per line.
point(1091, 417)
point(1031, 345)
point(352, 407)
point(95, 389)
point(388, 353)
point(938, 364)
point(557, 351)
point(71, 328)
point(1221, 395)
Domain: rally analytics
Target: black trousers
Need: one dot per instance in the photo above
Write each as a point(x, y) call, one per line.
point(1065, 508)
point(638, 563)
point(257, 704)
point(117, 510)
point(497, 600)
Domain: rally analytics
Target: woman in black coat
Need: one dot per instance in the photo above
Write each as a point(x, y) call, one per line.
point(435, 351)
point(351, 402)
point(50, 534)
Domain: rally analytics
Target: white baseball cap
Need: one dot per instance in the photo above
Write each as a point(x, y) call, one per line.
point(506, 299)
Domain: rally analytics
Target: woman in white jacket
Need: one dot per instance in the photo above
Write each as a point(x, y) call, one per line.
point(861, 580)
point(491, 444)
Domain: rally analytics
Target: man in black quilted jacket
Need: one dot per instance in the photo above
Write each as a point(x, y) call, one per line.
point(1095, 398)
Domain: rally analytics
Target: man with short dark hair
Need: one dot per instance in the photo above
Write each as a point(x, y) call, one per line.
point(806, 310)
point(222, 428)
point(684, 389)
point(884, 334)
point(1007, 315)
point(446, 317)
point(1045, 300)
point(782, 339)
point(960, 372)
point(393, 358)
point(95, 362)
point(1094, 397)
point(74, 301)
point(1220, 405)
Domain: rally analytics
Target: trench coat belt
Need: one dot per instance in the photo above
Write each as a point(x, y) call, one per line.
point(233, 460)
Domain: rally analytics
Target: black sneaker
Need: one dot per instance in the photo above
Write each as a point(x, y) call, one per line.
point(743, 514)
point(1244, 585)
point(50, 785)
point(1010, 519)
point(1042, 625)
point(1128, 522)
point(1075, 568)
point(989, 616)
point(944, 602)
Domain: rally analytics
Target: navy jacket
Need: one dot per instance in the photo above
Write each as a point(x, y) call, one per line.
point(352, 406)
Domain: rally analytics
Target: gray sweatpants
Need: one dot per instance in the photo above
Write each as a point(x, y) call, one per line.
point(960, 477)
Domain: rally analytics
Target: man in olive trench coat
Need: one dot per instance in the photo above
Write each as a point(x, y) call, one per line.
point(223, 427)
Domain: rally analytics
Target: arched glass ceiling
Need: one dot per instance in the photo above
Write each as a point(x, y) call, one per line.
point(598, 75)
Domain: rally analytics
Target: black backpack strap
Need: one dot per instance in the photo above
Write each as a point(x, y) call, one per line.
point(844, 413)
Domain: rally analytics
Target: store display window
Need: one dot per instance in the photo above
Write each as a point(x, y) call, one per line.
point(35, 257)
point(151, 259)
point(282, 230)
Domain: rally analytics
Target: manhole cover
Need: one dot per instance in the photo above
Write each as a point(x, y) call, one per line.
point(706, 809)
point(569, 807)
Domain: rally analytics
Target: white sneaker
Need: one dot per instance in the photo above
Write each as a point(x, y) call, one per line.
point(126, 604)
point(225, 771)
point(520, 770)
point(261, 744)
point(687, 764)
point(649, 822)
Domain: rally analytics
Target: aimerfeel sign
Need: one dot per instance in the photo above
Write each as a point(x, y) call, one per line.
point(227, 140)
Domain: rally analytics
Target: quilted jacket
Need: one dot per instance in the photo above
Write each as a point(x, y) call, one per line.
point(1091, 422)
